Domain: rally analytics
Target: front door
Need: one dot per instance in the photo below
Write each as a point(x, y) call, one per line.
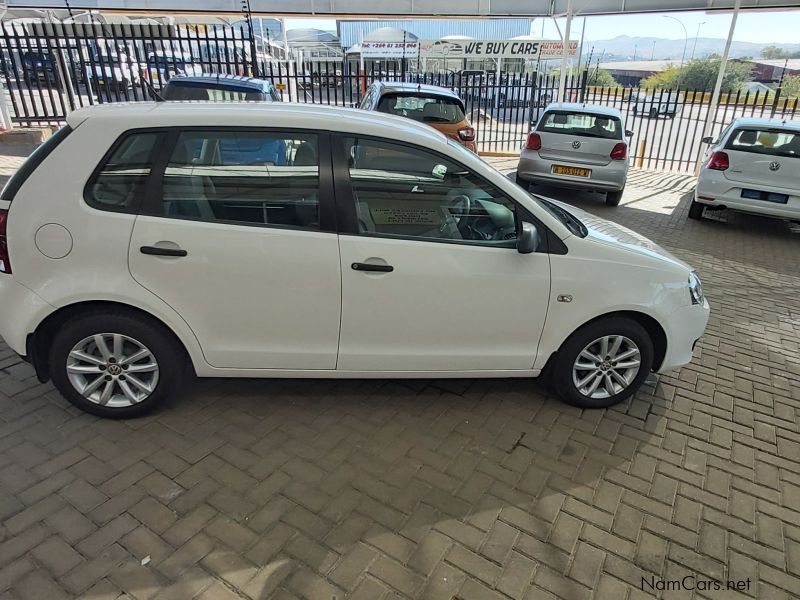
point(431, 278)
point(234, 242)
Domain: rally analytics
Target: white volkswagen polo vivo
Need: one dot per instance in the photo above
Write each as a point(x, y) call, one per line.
point(260, 240)
point(752, 168)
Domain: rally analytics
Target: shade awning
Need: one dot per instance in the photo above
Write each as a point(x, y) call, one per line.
point(409, 8)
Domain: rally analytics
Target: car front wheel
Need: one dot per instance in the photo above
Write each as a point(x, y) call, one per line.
point(115, 364)
point(603, 363)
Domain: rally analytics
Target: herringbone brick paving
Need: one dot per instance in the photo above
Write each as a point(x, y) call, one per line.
point(436, 489)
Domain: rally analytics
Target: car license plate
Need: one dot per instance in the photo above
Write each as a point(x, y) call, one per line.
point(573, 171)
point(767, 196)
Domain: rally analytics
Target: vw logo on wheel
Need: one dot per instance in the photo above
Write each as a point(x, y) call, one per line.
point(774, 166)
point(576, 144)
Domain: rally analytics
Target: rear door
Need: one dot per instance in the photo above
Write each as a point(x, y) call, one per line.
point(764, 157)
point(578, 137)
point(238, 238)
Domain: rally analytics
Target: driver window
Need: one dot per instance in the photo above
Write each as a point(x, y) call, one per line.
point(411, 193)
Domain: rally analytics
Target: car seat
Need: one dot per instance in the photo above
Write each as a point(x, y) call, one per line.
point(185, 193)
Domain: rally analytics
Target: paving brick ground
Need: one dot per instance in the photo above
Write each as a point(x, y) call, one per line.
point(437, 489)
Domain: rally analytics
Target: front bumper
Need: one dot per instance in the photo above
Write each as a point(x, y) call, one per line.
point(603, 178)
point(684, 327)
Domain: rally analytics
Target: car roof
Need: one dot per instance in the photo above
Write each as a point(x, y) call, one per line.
point(393, 87)
point(135, 115)
point(223, 80)
point(770, 123)
point(579, 107)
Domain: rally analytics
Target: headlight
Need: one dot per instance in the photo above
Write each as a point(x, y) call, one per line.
point(695, 289)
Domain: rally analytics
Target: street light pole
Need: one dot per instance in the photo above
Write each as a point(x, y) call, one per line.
point(697, 35)
point(685, 44)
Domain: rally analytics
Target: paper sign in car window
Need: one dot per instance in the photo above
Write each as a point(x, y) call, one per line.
point(405, 216)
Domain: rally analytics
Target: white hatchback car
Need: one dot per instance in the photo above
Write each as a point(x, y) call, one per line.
point(278, 240)
point(753, 167)
point(579, 146)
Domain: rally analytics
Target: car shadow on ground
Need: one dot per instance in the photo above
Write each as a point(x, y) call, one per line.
point(312, 478)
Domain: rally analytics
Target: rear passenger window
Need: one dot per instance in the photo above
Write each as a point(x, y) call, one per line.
point(120, 182)
point(248, 177)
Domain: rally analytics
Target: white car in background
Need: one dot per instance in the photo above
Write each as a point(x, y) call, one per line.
point(363, 245)
point(665, 103)
point(578, 146)
point(753, 167)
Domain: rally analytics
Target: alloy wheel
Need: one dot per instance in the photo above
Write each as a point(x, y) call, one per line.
point(606, 366)
point(111, 369)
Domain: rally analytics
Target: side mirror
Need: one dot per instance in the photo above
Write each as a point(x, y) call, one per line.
point(528, 239)
point(709, 139)
point(628, 133)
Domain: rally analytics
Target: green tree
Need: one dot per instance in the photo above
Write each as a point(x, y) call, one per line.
point(596, 77)
point(791, 86)
point(701, 75)
point(774, 52)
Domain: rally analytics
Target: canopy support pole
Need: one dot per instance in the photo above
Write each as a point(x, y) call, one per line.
point(712, 108)
point(562, 84)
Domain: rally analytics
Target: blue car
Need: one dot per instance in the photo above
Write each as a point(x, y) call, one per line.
point(219, 88)
point(232, 88)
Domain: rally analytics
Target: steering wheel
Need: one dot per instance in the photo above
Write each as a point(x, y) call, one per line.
point(458, 211)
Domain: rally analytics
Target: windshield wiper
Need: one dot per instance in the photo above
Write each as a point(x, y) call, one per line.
point(571, 222)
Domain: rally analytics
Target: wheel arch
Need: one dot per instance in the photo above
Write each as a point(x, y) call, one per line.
point(653, 328)
point(38, 343)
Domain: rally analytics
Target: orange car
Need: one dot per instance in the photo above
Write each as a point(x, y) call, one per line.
point(436, 106)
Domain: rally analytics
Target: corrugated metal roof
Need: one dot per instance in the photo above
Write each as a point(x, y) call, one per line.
point(352, 32)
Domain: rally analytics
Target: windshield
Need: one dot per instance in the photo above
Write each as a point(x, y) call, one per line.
point(769, 141)
point(581, 124)
point(426, 109)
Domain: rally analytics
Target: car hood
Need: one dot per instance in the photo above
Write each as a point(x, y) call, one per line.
point(609, 233)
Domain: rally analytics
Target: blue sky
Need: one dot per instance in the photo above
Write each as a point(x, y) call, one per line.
point(753, 26)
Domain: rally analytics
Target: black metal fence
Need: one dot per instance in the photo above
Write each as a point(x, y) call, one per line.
point(50, 70)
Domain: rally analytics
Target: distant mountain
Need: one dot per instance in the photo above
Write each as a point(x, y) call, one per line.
point(625, 47)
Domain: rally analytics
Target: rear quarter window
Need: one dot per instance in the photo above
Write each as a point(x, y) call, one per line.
point(119, 182)
point(32, 163)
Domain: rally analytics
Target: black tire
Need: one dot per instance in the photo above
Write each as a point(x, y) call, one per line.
point(525, 185)
point(696, 210)
point(653, 113)
point(165, 349)
point(635, 111)
point(614, 198)
point(561, 373)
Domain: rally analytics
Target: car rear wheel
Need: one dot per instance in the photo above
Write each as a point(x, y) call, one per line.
point(653, 113)
point(114, 364)
point(603, 363)
point(695, 210)
point(614, 198)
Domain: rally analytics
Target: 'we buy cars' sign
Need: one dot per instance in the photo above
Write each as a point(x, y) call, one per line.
point(544, 49)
